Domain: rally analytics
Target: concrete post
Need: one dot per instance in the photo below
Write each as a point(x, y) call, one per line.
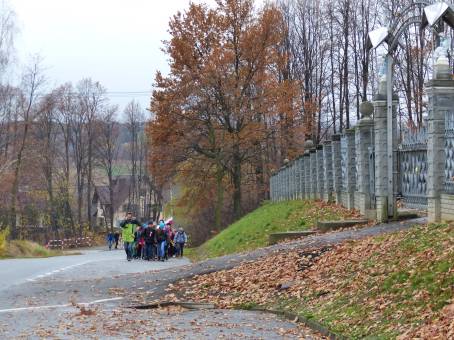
point(328, 171)
point(287, 183)
point(363, 140)
point(307, 175)
point(350, 177)
point(441, 101)
point(313, 182)
point(283, 184)
point(320, 173)
point(296, 189)
point(282, 172)
point(337, 171)
point(295, 180)
point(300, 178)
point(381, 155)
point(279, 184)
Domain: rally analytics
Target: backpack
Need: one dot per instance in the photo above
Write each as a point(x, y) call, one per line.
point(179, 237)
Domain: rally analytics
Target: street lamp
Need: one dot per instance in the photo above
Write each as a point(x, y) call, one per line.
point(433, 15)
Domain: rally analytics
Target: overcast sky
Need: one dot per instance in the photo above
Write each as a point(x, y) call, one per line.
point(116, 42)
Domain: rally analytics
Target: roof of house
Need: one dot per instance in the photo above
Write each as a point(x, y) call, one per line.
point(121, 188)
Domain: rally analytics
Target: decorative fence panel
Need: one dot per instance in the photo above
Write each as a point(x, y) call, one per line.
point(372, 174)
point(449, 152)
point(413, 168)
point(343, 149)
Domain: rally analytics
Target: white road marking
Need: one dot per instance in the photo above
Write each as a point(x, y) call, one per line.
point(57, 271)
point(20, 309)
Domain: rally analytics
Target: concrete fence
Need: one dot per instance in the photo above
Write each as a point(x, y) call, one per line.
point(352, 169)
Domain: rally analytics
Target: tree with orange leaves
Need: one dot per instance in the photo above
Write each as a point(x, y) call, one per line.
point(223, 94)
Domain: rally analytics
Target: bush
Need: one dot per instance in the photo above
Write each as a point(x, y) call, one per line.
point(3, 236)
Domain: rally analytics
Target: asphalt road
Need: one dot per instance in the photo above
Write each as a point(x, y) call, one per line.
point(91, 264)
point(84, 297)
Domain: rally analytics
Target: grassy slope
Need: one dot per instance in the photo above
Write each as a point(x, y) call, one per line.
point(376, 288)
point(252, 230)
point(24, 249)
point(381, 287)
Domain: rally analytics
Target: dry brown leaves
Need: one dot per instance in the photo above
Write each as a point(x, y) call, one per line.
point(257, 282)
point(342, 271)
point(440, 328)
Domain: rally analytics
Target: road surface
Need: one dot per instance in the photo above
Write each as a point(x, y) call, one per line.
point(34, 292)
point(91, 264)
point(86, 296)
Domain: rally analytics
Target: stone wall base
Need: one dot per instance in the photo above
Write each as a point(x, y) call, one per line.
point(337, 198)
point(362, 202)
point(382, 208)
point(344, 199)
point(434, 209)
point(328, 197)
point(348, 199)
point(447, 207)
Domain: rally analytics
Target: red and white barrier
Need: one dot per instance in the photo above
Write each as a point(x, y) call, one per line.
point(69, 243)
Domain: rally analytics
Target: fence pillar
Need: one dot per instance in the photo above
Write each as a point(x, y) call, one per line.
point(364, 139)
point(296, 186)
point(313, 157)
point(298, 179)
point(290, 180)
point(287, 182)
point(328, 171)
point(381, 155)
point(307, 175)
point(278, 185)
point(301, 177)
point(320, 172)
point(281, 184)
point(350, 176)
point(337, 170)
point(441, 101)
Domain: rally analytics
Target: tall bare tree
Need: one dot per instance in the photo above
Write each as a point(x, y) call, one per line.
point(92, 98)
point(32, 81)
point(107, 147)
point(135, 120)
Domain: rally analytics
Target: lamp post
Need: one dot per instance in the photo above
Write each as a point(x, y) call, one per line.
point(433, 15)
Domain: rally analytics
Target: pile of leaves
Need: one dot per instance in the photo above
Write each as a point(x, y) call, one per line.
point(252, 282)
point(440, 328)
point(308, 257)
point(380, 286)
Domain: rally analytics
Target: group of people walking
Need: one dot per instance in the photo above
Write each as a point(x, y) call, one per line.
point(152, 241)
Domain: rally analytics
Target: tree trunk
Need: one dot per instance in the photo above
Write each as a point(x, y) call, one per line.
point(219, 198)
point(15, 188)
point(89, 182)
point(111, 206)
point(236, 178)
